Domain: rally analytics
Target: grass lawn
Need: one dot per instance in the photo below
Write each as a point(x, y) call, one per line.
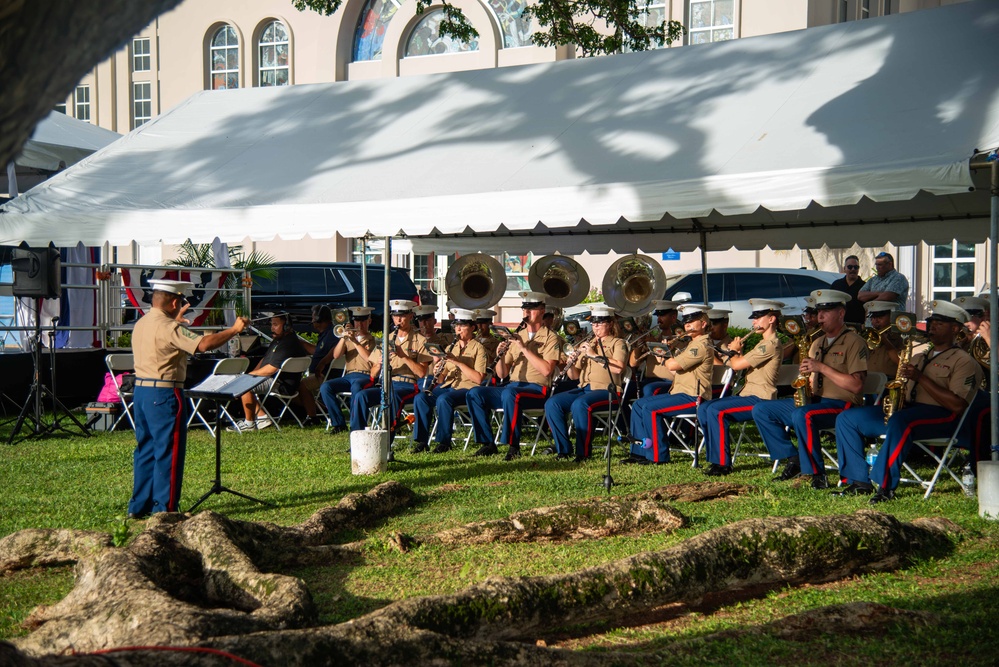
point(86, 482)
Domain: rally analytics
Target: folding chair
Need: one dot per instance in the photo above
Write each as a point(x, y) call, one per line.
point(290, 366)
point(236, 366)
point(117, 364)
point(943, 461)
point(675, 424)
point(874, 386)
point(615, 426)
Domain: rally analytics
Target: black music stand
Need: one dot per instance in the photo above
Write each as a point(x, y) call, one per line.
point(218, 388)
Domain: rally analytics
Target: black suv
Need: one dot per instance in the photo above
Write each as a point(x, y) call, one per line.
point(301, 285)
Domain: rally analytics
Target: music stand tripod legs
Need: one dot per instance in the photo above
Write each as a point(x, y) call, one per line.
point(217, 487)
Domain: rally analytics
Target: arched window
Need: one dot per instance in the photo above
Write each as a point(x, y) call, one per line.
point(371, 27)
point(426, 40)
point(273, 56)
point(510, 15)
point(225, 59)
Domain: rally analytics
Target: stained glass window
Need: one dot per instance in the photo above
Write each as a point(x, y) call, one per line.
point(225, 59)
point(273, 53)
point(711, 21)
point(515, 28)
point(426, 40)
point(371, 28)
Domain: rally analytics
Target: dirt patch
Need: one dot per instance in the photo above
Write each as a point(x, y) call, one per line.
point(448, 488)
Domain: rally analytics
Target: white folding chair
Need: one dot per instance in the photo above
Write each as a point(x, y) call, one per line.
point(944, 461)
point(290, 366)
point(235, 366)
point(685, 427)
point(785, 376)
point(117, 364)
point(874, 385)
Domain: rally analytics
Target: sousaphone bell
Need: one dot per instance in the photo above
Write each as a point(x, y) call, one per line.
point(475, 281)
point(561, 278)
point(632, 283)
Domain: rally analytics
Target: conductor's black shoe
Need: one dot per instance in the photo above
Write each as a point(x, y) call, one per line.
point(650, 462)
point(420, 447)
point(581, 459)
point(854, 489)
point(443, 447)
point(883, 495)
point(820, 481)
point(336, 430)
point(563, 457)
point(512, 453)
point(718, 471)
point(791, 470)
point(486, 450)
point(633, 459)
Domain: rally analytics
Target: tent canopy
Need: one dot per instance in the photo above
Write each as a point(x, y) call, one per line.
point(790, 137)
point(60, 141)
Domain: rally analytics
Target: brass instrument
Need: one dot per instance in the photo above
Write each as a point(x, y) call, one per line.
point(561, 278)
point(475, 281)
point(632, 283)
point(802, 384)
point(894, 396)
point(571, 352)
point(980, 350)
point(875, 337)
point(487, 377)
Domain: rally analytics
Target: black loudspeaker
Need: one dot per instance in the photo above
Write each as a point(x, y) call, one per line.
point(36, 272)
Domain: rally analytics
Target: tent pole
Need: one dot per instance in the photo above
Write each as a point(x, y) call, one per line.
point(994, 304)
point(386, 371)
point(704, 265)
point(364, 271)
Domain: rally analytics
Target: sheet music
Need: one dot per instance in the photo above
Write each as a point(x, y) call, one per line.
point(227, 385)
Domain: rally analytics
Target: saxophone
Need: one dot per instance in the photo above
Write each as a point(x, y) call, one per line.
point(894, 398)
point(802, 384)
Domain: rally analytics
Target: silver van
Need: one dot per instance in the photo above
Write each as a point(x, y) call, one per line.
point(731, 288)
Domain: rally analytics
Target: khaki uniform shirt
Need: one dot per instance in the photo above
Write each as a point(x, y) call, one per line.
point(489, 343)
point(847, 354)
point(721, 345)
point(353, 361)
point(546, 344)
point(594, 374)
point(655, 367)
point(953, 369)
point(764, 366)
point(473, 355)
point(697, 362)
point(414, 346)
point(161, 346)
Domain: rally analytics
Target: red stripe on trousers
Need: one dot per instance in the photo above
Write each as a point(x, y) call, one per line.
point(516, 407)
point(897, 449)
point(655, 431)
point(177, 423)
point(721, 428)
point(809, 445)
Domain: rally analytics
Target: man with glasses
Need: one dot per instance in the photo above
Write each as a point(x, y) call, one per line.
point(161, 344)
point(356, 348)
point(851, 282)
point(887, 285)
point(691, 385)
point(940, 384)
point(884, 357)
point(762, 365)
point(599, 367)
point(837, 367)
point(528, 359)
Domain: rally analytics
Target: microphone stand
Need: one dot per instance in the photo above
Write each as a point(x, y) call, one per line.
point(608, 481)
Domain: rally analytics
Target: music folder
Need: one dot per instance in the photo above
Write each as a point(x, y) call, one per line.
point(218, 387)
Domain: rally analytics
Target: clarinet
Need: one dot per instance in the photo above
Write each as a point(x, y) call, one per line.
point(439, 370)
point(487, 378)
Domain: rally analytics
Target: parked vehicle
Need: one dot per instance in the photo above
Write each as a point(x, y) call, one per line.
point(298, 286)
point(731, 288)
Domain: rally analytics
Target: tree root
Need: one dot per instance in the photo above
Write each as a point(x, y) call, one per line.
point(35, 547)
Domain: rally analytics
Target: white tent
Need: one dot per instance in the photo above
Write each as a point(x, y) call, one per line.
point(60, 141)
point(791, 137)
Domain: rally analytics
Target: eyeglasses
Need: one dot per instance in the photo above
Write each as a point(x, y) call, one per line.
point(852, 267)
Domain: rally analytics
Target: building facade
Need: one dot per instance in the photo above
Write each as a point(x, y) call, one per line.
point(244, 43)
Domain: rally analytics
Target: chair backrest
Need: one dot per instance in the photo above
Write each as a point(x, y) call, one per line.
point(722, 375)
point(295, 365)
point(874, 385)
point(119, 363)
point(232, 366)
point(786, 375)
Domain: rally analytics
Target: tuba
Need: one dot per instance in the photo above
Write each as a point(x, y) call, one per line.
point(561, 278)
point(475, 281)
point(632, 283)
